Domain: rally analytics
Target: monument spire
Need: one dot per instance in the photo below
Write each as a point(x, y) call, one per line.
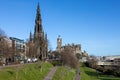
point(30, 37)
point(38, 21)
point(39, 37)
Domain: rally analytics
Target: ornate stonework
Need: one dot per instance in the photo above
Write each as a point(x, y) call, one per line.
point(39, 39)
point(75, 47)
point(59, 43)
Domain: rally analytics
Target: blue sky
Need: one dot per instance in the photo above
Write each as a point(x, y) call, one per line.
point(95, 24)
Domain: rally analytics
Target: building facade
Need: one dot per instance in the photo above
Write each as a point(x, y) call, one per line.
point(11, 48)
point(75, 47)
point(18, 46)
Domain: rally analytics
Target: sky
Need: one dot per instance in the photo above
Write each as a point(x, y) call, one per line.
point(95, 24)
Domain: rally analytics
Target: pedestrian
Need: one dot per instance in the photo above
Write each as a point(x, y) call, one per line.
point(6, 61)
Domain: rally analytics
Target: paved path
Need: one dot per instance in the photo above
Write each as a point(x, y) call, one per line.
point(15, 65)
point(77, 76)
point(50, 74)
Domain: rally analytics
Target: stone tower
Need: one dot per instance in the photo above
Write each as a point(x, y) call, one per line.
point(59, 43)
point(40, 40)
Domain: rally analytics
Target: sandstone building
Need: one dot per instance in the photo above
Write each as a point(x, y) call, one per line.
point(38, 42)
point(75, 47)
point(77, 51)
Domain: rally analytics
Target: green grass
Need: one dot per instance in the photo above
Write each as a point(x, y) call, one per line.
point(36, 71)
point(63, 73)
point(91, 74)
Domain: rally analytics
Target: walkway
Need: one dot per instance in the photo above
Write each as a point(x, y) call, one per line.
point(15, 65)
point(50, 74)
point(77, 76)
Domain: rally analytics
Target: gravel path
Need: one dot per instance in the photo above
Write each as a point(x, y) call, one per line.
point(50, 74)
point(16, 65)
point(77, 76)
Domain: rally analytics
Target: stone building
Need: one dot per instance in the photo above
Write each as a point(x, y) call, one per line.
point(38, 40)
point(77, 51)
point(11, 49)
point(84, 54)
point(18, 46)
point(75, 47)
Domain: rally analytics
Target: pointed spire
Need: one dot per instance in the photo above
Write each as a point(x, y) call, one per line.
point(59, 36)
point(38, 21)
point(30, 38)
point(38, 7)
point(38, 16)
point(46, 37)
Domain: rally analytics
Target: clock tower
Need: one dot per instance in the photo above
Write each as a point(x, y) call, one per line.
point(59, 43)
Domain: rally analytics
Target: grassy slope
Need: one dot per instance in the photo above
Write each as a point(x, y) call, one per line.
point(63, 73)
point(26, 72)
point(90, 74)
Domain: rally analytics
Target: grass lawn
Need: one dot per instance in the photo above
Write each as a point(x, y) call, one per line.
point(91, 74)
point(63, 73)
point(36, 71)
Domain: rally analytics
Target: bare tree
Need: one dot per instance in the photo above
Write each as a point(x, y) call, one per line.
point(92, 62)
point(2, 33)
point(69, 58)
point(30, 49)
point(5, 49)
point(2, 43)
point(79, 56)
